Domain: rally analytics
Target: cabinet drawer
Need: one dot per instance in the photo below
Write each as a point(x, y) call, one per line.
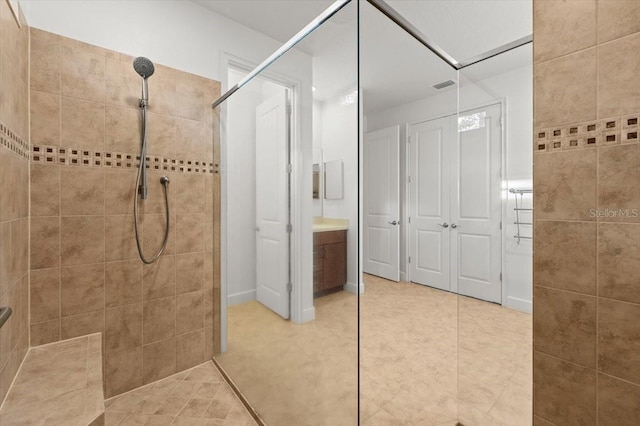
point(329, 237)
point(318, 281)
point(318, 252)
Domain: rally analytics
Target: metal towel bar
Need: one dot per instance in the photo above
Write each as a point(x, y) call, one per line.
point(519, 193)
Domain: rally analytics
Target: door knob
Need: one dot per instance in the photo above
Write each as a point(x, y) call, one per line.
point(454, 226)
point(444, 225)
point(395, 222)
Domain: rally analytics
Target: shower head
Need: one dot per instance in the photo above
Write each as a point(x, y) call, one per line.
point(144, 67)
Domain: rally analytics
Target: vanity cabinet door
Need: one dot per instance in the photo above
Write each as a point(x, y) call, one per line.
point(335, 265)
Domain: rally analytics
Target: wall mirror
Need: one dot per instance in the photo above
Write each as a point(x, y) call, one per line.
point(333, 180)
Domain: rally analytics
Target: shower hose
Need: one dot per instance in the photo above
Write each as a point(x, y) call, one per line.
point(164, 180)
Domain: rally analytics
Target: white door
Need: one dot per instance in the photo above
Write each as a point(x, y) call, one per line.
point(476, 205)
point(430, 211)
point(382, 203)
point(272, 204)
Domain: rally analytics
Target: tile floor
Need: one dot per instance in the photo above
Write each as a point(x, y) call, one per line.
point(196, 397)
point(427, 357)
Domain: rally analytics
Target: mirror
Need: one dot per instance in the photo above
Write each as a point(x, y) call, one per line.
point(333, 172)
point(317, 181)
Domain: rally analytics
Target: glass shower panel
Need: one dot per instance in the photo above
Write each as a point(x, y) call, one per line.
point(289, 279)
point(494, 240)
point(408, 313)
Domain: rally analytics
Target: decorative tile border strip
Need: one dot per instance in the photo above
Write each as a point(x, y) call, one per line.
point(605, 132)
point(63, 156)
point(13, 142)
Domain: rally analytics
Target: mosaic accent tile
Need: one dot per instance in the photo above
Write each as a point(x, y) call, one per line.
point(121, 160)
point(604, 132)
point(13, 142)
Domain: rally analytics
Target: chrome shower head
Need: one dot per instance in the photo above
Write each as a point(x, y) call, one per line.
point(144, 67)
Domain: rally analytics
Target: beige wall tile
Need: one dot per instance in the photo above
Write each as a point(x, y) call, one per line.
point(45, 61)
point(154, 230)
point(189, 190)
point(618, 402)
point(564, 255)
point(159, 320)
point(82, 73)
point(123, 283)
point(154, 204)
point(82, 289)
point(159, 279)
point(120, 241)
point(82, 124)
point(619, 182)
point(123, 372)
point(618, 67)
point(190, 350)
point(189, 312)
point(208, 307)
point(565, 184)
point(83, 324)
point(45, 242)
point(45, 190)
point(563, 27)
point(208, 343)
point(162, 135)
point(618, 339)
point(123, 328)
point(190, 96)
point(5, 257)
point(82, 240)
point(82, 191)
point(13, 108)
point(119, 190)
point(565, 325)
point(45, 332)
point(190, 270)
point(190, 232)
point(159, 360)
point(123, 85)
point(616, 18)
point(45, 118)
point(19, 247)
point(123, 126)
point(565, 89)
point(163, 87)
point(190, 139)
point(44, 295)
point(564, 393)
point(619, 261)
point(537, 421)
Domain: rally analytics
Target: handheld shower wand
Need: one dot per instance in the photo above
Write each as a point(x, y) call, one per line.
point(144, 67)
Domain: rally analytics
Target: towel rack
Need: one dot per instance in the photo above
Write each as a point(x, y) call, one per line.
point(519, 194)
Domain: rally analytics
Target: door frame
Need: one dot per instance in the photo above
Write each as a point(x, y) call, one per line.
point(297, 239)
point(503, 173)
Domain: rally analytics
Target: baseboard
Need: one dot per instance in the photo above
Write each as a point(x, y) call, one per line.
point(308, 314)
point(353, 288)
point(241, 297)
point(519, 304)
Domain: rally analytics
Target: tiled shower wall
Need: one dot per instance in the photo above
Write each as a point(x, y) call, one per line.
point(14, 193)
point(85, 272)
point(587, 213)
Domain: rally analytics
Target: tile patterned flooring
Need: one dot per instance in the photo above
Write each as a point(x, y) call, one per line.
point(427, 357)
point(196, 397)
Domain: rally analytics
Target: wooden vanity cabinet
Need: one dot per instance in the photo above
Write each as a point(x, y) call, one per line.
point(329, 262)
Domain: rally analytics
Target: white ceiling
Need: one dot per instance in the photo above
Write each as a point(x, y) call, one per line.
point(395, 68)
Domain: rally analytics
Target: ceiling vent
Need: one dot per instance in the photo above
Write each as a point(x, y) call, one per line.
point(444, 84)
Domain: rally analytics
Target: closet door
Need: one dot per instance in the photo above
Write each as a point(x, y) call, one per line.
point(429, 227)
point(476, 205)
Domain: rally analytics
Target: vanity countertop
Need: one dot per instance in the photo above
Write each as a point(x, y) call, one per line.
point(325, 224)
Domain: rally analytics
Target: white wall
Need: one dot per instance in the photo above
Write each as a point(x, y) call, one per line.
point(515, 88)
point(340, 142)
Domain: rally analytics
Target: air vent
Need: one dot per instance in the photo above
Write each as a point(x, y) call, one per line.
point(444, 84)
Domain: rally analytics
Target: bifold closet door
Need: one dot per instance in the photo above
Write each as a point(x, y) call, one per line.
point(429, 228)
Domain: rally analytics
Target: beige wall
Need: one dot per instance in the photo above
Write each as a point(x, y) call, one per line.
point(85, 272)
point(586, 267)
point(14, 193)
